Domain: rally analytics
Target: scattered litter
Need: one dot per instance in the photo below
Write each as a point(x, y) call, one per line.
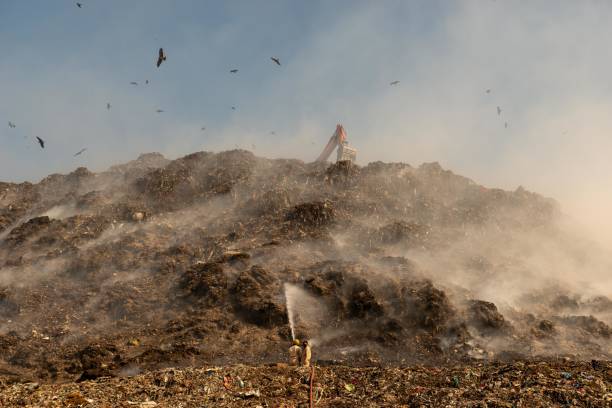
point(536, 383)
point(455, 381)
point(250, 394)
point(227, 382)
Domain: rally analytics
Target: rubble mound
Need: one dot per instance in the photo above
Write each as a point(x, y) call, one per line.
point(343, 173)
point(428, 306)
point(205, 281)
point(257, 295)
point(218, 258)
point(314, 214)
point(485, 317)
point(27, 230)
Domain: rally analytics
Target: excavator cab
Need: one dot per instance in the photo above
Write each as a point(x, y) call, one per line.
point(346, 153)
point(338, 140)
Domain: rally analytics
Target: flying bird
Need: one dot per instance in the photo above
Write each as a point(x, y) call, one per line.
point(79, 5)
point(79, 152)
point(161, 57)
point(203, 128)
point(159, 110)
point(133, 83)
point(394, 83)
point(498, 110)
point(272, 132)
point(233, 108)
point(40, 142)
point(108, 106)
point(147, 81)
point(12, 125)
point(488, 91)
point(233, 71)
point(276, 60)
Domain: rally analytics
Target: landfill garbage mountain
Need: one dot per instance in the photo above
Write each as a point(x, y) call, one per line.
point(161, 263)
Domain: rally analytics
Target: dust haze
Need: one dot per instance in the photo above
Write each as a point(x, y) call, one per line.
point(462, 234)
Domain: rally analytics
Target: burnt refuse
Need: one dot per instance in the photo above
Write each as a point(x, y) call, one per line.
point(197, 261)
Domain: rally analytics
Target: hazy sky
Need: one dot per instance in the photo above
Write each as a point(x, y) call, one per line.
point(548, 65)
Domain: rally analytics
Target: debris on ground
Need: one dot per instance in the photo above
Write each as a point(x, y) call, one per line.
point(531, 384)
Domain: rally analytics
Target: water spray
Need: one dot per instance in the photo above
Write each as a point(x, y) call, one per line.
point(289, 302)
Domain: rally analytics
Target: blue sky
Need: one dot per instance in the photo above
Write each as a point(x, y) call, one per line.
point(547, 63)
point(67, 62)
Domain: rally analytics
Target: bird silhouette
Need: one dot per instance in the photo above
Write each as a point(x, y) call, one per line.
point(108, 106)
point(12, 125)
point(161, 57)
point(488, 91)
point(498, 110)
point(40, 142)
point(133, 83)
point(147, 81)
point(276, 60)
point(79, 5)
point(233, 108)
point(159, 110)
point(394, 83)
point(233, 71)
point(79, 152)
point(203, 128)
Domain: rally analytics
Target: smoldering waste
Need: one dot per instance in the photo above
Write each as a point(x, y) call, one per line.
point(159, 263)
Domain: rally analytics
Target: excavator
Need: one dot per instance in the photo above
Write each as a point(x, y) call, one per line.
point(338, 140)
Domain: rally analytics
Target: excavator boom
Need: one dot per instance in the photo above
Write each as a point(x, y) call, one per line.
point(338, 140)
point(329, 149)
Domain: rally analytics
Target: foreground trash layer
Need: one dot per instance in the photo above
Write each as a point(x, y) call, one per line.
point(532, 384)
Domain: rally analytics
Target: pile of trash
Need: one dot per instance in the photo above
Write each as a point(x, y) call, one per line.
point(216, 259)
point(554, 383)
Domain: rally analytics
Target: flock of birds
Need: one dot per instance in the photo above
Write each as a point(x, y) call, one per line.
point(161, 57)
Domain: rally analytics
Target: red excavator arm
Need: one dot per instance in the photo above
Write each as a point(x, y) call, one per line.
point(336, 140)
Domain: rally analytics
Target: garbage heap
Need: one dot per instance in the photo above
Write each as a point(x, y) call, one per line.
point(182, 263)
